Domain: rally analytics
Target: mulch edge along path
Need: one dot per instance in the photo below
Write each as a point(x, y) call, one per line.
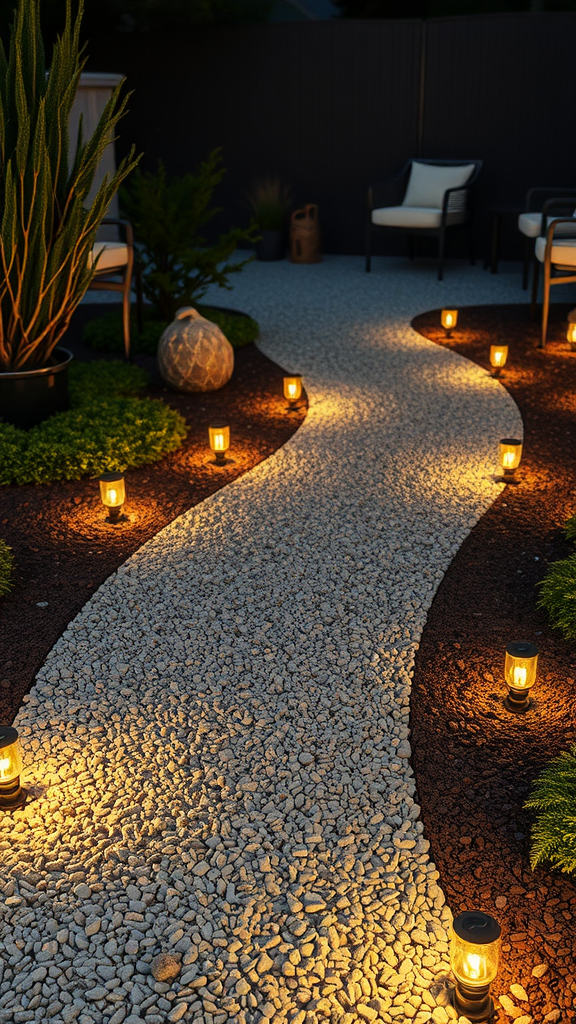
point(474, 761)
point(62, 545)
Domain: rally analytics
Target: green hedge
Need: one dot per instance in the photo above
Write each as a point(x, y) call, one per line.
point(106, 429)
point(554, 799)
point(105, 332)
point(6, 566)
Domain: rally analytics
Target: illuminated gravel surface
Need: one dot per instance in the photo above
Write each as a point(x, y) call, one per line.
point(218, 746)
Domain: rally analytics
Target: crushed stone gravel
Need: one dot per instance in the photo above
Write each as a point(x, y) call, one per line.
point(218, 747)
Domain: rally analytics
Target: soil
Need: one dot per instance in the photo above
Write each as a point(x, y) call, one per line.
point(475, 761)
point(63, 546)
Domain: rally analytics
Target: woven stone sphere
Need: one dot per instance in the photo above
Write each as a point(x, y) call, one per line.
point(194, 354)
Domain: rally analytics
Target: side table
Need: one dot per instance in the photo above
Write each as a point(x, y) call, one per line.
point(497, 213)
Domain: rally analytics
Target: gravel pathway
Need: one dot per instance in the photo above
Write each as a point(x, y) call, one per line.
point(218, 746)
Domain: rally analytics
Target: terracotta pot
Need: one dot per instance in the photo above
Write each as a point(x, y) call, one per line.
point(194, 354)
point(29, 396)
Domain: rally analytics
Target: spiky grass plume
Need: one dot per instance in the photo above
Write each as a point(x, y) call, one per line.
point(46, 231)
point(558, 596)
point(553, 797)
point(6, 567)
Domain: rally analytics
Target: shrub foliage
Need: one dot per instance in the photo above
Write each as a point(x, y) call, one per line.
point(169, 216)
point(106, 429)
point(105, 332)
point(558, 596)
point(554, 799)
point(6, 566)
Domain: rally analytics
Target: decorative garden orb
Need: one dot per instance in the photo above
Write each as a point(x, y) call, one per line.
point(194, 354)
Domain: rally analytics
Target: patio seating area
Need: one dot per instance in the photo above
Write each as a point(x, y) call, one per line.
point(236, 697)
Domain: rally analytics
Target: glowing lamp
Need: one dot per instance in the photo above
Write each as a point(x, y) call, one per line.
point(12, 795)
point(113, 495)
point(509, 453)
point(219, 436)
point(293, 388)
point(498, 357)
point(571, 336)
point(474, 952)
point(449, 319)
point(520, 674)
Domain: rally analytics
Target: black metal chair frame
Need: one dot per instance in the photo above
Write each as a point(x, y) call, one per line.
point(456, 200)
point(104, 280)
point(553, 273)
point(535, 199)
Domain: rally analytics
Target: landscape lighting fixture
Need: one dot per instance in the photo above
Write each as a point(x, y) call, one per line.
point(510, 453)
point(520, 674)
point(219, 435)
point(449, 319)
point(475, 946)
point(498, 357)
point(571, 336)
point(293, 389)
point(12, 796)
point(113, 495)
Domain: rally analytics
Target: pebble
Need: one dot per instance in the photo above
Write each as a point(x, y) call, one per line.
point(164, 966)
point(218, 746)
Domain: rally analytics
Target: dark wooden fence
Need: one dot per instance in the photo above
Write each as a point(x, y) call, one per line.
point(331, 106)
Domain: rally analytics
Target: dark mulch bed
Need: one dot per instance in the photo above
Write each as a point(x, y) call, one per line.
point(62, 545)
point(474, 761)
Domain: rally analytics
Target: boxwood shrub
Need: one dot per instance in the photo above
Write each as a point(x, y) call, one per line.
point(107, 428)
point(105, 332)
point(6, 566)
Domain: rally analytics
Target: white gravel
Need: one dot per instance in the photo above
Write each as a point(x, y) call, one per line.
point(218, 746)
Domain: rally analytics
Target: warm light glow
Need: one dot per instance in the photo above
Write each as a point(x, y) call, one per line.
point(293, 387)
point(219, 436)
point(10, 754)
point(475, 948)
point(571, 334)
point(449, 319)
point(520, 670)
point(112, 490)
point(510, 452)
point(498, 356)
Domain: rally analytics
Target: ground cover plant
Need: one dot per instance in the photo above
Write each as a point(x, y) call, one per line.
point(107, 428)
point(6, 566)
point(554, 799)
point(48, 228)
point(104, 333)
point(169, 216)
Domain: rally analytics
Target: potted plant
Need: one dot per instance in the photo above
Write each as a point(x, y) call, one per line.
point(270, 202)
point(47, 231)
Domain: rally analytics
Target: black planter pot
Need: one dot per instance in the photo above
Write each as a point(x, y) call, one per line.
point(29, 396)
point(272, 246)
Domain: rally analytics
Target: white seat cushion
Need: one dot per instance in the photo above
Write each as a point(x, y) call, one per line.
point(412, 217)
point(529, 225)
point(563, 253)
point(113, 255)
point(428, 183)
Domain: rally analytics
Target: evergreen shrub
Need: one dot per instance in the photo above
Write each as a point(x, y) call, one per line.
point(107, 429)
point(6, 566)
point(553, 797)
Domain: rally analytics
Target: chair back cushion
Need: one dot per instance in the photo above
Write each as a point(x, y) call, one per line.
point(428, 183)
point(110, 255)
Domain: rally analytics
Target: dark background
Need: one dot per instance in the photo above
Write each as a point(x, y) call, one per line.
point(330, 106)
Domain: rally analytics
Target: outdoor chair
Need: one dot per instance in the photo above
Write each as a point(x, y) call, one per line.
point(557, 252)
point(426, 198)
point(532, 226)
point(114, 270)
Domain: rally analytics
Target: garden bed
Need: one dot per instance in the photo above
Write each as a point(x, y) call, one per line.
point(474, 761)
point(63, 548)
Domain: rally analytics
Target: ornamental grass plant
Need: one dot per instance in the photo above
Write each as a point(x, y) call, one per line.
point(553, 798)
point(6, 568)
point(270, 202)
point(46, 230)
